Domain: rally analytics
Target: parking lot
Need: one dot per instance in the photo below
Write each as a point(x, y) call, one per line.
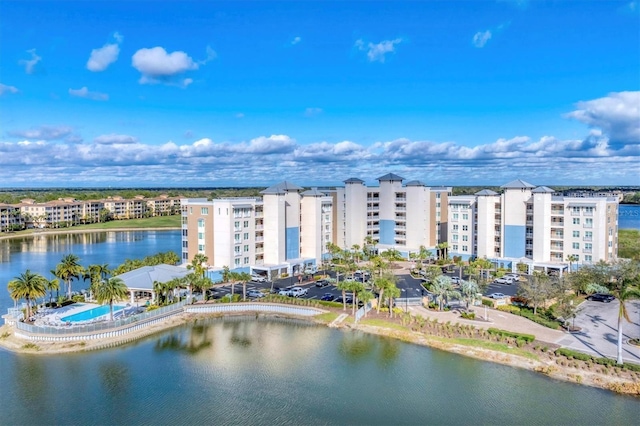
point(599, 330)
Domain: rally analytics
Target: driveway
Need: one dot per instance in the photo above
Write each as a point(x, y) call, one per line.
point(599, 334)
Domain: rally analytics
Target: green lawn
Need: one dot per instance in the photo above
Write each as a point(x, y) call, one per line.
point(629, 243)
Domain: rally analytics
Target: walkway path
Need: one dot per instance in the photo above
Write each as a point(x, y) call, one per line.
point(497, 319)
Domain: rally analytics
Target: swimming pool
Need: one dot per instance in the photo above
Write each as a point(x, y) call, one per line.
point(91, 313)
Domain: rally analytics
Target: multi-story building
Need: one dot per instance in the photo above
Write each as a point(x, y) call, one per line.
point(284, 232)
point(534, 226)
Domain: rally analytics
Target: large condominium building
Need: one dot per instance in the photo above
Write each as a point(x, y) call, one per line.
point(288, 228)
point(532, 225)
point(285, 231)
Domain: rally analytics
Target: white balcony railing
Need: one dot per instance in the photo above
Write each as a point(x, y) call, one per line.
point(587, 239)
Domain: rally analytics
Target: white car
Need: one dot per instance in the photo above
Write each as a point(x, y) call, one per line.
point(298, 291)
point(285, 292)
point(497, 296)
point(255, 293)
point(258, 279)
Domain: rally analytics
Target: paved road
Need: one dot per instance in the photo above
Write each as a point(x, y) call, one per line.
point(599, 334)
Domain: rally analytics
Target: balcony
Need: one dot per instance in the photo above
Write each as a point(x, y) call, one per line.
point(556, 223)
point(587, 239)
point(401, 199)
point(401, 227)
point(528, 235)
point(528, 246)
point(587, 250)
point(575, 213)
point(259, 214)
point(259, 239)
point(529, 223)
point(588, 225)
point(259, 227)
point(373, 199)
point(587, 213)
point(401, 209)
point(373, 209)
point(259, 250)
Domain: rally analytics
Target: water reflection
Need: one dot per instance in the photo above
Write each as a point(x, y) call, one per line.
point(357, 347)
point(196, 341)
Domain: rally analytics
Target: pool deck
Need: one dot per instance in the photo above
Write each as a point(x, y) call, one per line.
point(53, 317)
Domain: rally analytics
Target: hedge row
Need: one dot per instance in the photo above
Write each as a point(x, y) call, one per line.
point(526, 337)
point(570, 354)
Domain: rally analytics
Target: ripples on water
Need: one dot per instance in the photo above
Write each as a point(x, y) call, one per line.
point(247, 371)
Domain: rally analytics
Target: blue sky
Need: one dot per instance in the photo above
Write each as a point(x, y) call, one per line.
point(249, 93)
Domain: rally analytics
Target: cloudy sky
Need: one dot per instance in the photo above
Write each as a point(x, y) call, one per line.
point(245, 93)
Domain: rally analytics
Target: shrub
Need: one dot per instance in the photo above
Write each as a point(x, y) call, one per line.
point(607, 362)
point(504, 333)
point(508, 308)
point(468, 315)
point(487, 302)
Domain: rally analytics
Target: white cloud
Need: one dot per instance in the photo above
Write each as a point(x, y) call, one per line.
point(7, 89)
point(43, 132)
point(158, 66)
point(85, 93)
point(377, 51)
point(618, 115)
point(481, 38)
point(30, 64)
point(101, 58)
point(312, 112)
point(114, 139)
point(296, 40)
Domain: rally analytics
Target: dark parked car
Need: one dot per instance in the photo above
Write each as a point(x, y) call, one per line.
point(327, 296)
point(275, 290)
point(601, 297)
point(322, 283)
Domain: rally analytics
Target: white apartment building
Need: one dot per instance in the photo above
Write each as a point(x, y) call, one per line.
point(285, 231)
point(532, 225)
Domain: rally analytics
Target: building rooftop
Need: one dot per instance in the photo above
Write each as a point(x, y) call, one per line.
point(313, 192)
point(517, 184)
point(143, 278)
point(281, 188)
point(415, 183)
point(353, 180)
point(390, 177)
point(486, 192)
point(543, 190)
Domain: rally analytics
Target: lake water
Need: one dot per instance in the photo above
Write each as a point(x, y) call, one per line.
point(629, 216)
point(41, 253)
point(246, 371)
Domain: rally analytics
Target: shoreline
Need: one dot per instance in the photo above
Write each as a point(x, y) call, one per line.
point(606, 381)
point(85, 231)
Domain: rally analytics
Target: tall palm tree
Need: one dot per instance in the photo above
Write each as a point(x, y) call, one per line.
point(443, 288)
point(571, 258)
point(469, 291)
point(226, 274)
point(624, 293)
point(111, 290)
point(28, 286)
point(244, 277)
point(68, 269)
point(203, 284)
point(198, 264)
point(343, 286)
point(53, 284)
point(392, 293)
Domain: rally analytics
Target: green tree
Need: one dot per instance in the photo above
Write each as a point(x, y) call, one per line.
point(571, 258)
point(244, 277)
point(343, 286)
point(365, 297)
point(203, 284)
point(27, 286)
point(469, 291)
point(111, 290)
point(198, 264)
point(392, 293)
point(51, 285)
point(537, 289)
point(443, 288)
point(68, 269)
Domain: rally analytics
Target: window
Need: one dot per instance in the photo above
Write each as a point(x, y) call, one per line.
point(576, 221)
point(200, 223)
point(576, 234)
point(437, 214)
point(455, 215)
point(588, 258)
point(437, 204)
point(236, 238)
point(437, 195)
point(588, 246)
point(204, 211)
point(246, 236)
point(246, 224)
point(589, 222)
point(201, 235)
point(246, 260)
point(190, 210)
point(465, 216)
point(236, 249)
point(576, 246)
point(465, 227)
point(201, 248)
point(465, 248)
point(610, 232)
point(465, 238)
point(588, 234)
point(455, 227)
point(246, 248)
point(455, 247)
point(236, 225)
point(455, 237)
point(237, 262)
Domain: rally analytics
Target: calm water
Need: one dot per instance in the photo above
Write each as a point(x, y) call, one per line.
point(629, 216)
point(243, 371)
point(41, 253)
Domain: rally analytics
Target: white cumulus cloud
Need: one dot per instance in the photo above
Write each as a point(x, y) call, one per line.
point(376, 51)
point(30, 64)
point(481, 38)
point(43, 132)
point(104, 56)
point(7, 89)
point(158, 66)
point(114, 139)
point(296, 40)
point(618, 115)
point(85, 93)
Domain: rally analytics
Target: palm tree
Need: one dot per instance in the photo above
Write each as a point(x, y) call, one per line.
point(28, 286)
point(111, 290)
point(624, 293)
point(244, 277)
point(203, 284)
point(392, 293)
point(53, 284)
point(443, 288)
point(197, 264)
point(469, 290)
point(234, 278)
point(355, 251)
point(226, 274)
point(68, 269)
point(571, 258)
point(344, 286)
point(366, 296)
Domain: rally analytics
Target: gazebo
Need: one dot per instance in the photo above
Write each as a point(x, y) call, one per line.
point(141, 280)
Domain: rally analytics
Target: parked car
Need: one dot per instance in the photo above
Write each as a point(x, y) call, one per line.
point(285, 292)
point(504, 280)
point(258, 278)
point(255, 293)
point(497, 296)
point(276, 290)
point(298, 291)
point(601, 297)
point(327, 296)
point(348, 299)
point(322, 283)
point(455, 280)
